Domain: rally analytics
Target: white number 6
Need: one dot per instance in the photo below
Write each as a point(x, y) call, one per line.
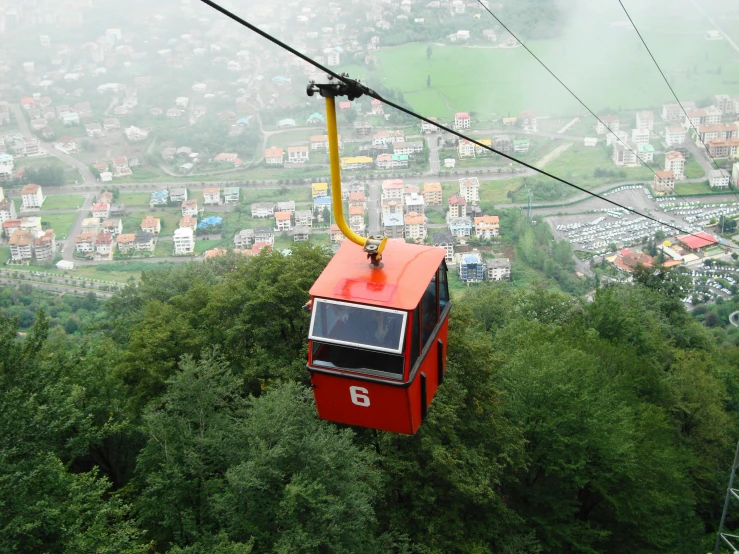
point(359, 396)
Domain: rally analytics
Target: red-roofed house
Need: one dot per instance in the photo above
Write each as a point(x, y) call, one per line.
point(697, 241)
point(274, 156)
point(283, 221)
point(120, 166)
point(457, 206)
point(487, 226)
point(462, 120)
point(101, 210)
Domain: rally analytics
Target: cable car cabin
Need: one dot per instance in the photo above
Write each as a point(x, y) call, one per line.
point(377, 342)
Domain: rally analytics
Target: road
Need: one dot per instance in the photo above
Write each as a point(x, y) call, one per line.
point(55, 288)
point(434, 163)
point(20, 118)
point(76, 229)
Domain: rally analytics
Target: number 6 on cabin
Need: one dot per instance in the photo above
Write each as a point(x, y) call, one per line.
point(359, 396)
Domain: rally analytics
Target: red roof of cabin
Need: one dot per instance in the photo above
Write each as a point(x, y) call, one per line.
point(407, 271)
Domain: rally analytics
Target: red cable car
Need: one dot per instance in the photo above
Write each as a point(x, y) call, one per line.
point(377, 341)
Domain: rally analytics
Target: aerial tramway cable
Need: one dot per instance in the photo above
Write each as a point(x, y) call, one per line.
point(359, 88)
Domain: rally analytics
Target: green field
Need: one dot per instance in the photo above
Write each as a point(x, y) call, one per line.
point(63, 202)
point(4, 254)
point(597, 55)
point(61, 223)
point(134, 198)
point(693, 188)
point(170, 220)
point(293, 138)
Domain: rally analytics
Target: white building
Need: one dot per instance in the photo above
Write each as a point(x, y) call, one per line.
point(498, 269)
point(32, 196)
point(645, 120)
point(675, 162)
point(469, 189)
point(462, 120)
point(184, 241)
point(719, 178)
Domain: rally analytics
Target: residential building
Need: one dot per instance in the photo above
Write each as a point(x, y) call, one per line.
point(619, 136)
point(111, 227)
point(460, 227)
point(188, 221)
point(320, 142)
point(645, 120)
point(184, 241)
point(457, 206)
point(357, 198)
point(674, 135)
point(303, 218)
point(32, 224)
point(283, 221)
point(487, 226)
point(675, 162)
point(469, 189)
point(625, 154)
point(262, 209)
point(445, 240)
point(715, 131)
point(672, 112)
point(713, 115)
point(606, 124)
point(415, 226)
point(724, 103)
point(104, 245)
point(33, 197)
point(357, 162)
point(301, 233)
point(227, 157)
point(393, 226)
point(84, 243)
point(392, 189)
point(498, 269)
point(286, 206)
point(244, 238)
point(297, 154)
point(101, 210)
point(386, 138)
point(158, 197)
point(432, 193)
point(120, 167)
point(6, 167)
point(336, 235)
point(462, 120)
point(392, 161)
point(392, 206)
point(190, 207)
point(144, 242)
point(125, 242)
point(21, 246)
point(178, 194)
point(212, 196)
point(151, 225)
point(319, 189)
point(503, 143)
point(719, 179)
point(428, 127)
point(466, 149)
point(362, 129)
point(44, 246)
point(231, 195)
point(415, 202)
point(640, 136)
point(528, 121)
point(735, 175)
point(274, 156)
point(90, 225)
point(356, 219)
point(645, 152)
point(408, 148)
point(719, 148)
point(471, 267)
point(10, 226)
point(664, 182)
point(7, 209)
point(264, 235)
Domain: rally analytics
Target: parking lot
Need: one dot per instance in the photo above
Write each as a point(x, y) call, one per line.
point(605, 224)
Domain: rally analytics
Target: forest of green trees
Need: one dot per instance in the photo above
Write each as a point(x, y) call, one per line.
point(181, 421)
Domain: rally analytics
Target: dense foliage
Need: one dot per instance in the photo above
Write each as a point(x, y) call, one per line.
point(183, 424)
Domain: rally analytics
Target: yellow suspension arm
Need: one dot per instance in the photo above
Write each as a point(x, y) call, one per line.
point(333, 153)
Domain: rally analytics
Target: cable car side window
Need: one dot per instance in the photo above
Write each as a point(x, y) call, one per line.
point(429, 310)
point(443, 286)
point(358, 326)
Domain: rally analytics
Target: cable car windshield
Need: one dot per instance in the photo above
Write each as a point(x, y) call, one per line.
point(359, 326)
